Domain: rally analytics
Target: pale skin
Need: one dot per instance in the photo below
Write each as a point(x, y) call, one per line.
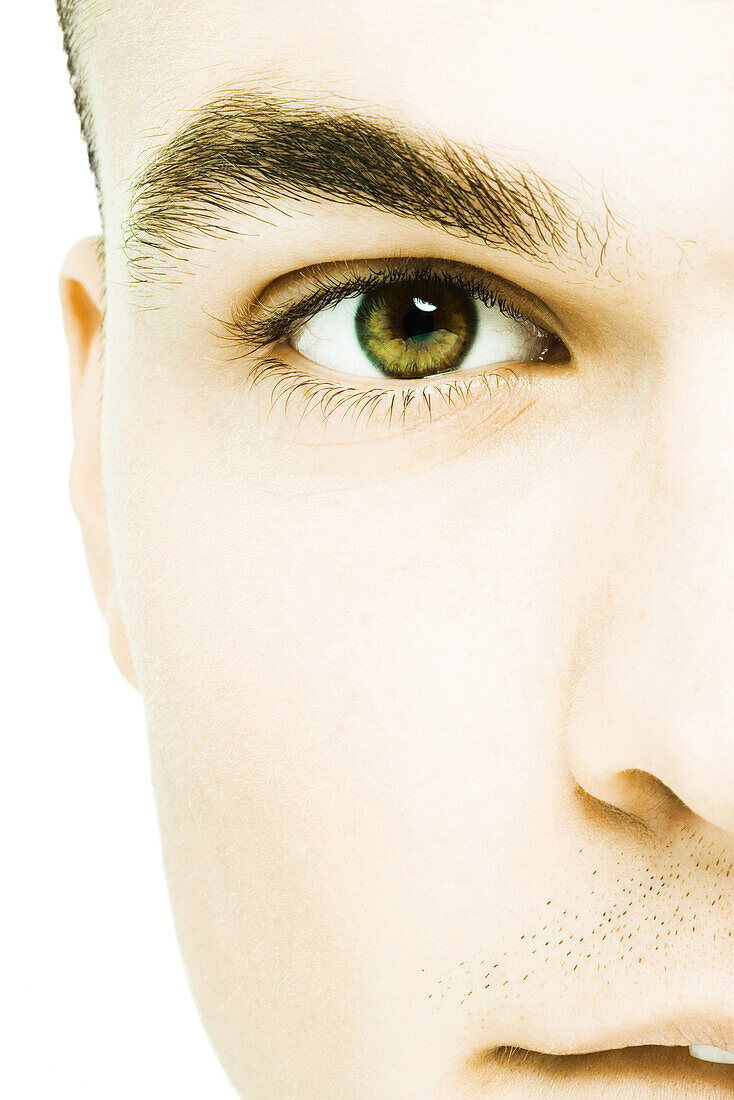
point(440, 721)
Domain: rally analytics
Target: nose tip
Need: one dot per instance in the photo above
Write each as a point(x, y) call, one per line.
point(657, 752)
point(649, 726)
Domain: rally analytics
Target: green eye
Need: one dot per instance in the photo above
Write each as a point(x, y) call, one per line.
point(416, 329)
point(358, 335)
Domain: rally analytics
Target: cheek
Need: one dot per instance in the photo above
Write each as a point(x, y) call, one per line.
point(351, 690)
point(286, 614)
point(342, 655)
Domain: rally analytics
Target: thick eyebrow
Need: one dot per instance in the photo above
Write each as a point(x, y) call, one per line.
point(245, 150)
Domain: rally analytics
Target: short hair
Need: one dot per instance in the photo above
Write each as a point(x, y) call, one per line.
point(73, 21)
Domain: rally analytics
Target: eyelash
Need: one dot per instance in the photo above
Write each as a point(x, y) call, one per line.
point(278, 323)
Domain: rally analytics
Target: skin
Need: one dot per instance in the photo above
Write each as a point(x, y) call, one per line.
point(441, 724)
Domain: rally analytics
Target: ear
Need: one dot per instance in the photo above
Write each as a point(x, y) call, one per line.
point(81, 285)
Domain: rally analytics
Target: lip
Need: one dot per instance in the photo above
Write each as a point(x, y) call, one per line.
point(646, 1050)
point(705, 1029)
point(624, 1072)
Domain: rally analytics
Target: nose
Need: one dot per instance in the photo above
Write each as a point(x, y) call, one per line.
point(650, 720)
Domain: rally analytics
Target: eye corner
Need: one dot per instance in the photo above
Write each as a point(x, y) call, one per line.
point(557, 353)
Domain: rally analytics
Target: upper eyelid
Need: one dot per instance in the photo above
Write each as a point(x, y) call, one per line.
point(257, 323)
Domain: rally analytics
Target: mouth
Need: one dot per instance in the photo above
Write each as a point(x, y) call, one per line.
point(684, 1056)
point(635, 1071)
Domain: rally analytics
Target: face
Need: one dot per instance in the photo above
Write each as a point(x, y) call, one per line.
point(426, 582)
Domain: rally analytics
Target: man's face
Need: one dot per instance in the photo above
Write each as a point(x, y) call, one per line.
point(438, 687)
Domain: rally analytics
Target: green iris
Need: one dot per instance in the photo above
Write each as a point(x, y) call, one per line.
point(415, 329)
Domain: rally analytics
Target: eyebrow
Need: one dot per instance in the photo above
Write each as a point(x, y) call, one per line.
point(245, 150)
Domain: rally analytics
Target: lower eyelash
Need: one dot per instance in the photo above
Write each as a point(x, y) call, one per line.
point(389, 405)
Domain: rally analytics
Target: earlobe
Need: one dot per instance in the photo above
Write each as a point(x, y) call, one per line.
point(81, 286)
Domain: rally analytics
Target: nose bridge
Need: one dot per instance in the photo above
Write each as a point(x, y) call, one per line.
point(684, 583)
point(655, 687)
point(691, 423)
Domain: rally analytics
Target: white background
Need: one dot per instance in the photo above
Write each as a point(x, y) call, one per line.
point(93, 992)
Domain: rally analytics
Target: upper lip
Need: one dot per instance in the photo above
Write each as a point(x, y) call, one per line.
point(706, 1029)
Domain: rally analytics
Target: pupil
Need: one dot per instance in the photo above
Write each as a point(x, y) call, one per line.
point(418, 322)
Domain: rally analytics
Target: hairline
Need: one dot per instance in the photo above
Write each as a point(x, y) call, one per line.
point(74, 18)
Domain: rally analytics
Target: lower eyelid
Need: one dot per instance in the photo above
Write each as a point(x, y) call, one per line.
point(300, 396)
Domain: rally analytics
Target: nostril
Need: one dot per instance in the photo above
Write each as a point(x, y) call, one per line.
point(638, 798)
point(656, 803)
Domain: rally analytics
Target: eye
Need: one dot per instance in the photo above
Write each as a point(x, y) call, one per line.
point(367, 337)
point(417, 329)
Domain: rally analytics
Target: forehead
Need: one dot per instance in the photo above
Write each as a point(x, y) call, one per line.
point(634, 96)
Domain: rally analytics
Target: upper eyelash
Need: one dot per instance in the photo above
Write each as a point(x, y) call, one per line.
point(280, 322)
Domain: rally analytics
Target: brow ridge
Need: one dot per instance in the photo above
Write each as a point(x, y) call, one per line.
point(244, 150)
